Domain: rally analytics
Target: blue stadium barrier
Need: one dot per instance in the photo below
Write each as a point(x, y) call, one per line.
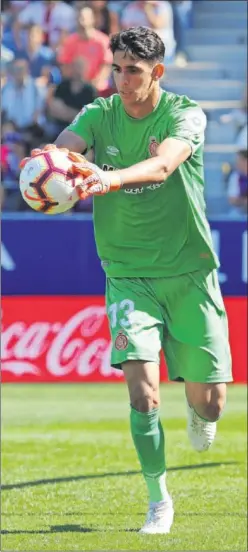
point(57, 255)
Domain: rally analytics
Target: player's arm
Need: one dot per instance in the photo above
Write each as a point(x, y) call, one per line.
point(185, 134)
point(71, 141)
point(170, 154)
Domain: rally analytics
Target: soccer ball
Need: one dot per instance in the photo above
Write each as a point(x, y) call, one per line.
point(47, 182)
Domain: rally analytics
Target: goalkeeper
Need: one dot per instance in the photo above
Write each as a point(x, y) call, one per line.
point(154, 242)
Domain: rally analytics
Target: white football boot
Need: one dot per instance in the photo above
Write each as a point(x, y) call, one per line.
point(201, 432)
point(159, 518)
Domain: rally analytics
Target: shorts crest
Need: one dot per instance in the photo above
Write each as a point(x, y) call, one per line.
point(121, 341)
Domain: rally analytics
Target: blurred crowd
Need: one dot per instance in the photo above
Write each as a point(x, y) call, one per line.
point(236, 177)
point(55, 58)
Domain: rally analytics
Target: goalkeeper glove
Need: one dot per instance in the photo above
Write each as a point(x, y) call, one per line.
point(98, 182)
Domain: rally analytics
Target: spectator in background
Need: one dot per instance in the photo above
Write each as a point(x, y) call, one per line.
point(156, 14)
point(16, 6)
point(238, 117)
point(6, 55)
point(12, 39)
point(2, 196)
point(182, 13)
point(237, 186)
point(56, 18)
point(103, 17)
point(69, 97)
point(41, 59)
point(22, 101)
point(93, 46)
point(3, 73)
point(15, 149)
point(117, 9)
point(7, 128)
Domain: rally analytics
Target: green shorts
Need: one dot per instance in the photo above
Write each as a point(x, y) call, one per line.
point(184, 316)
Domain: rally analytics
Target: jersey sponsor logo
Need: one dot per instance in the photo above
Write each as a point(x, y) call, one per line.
point(153, 146)
point(112, 150)
point(106, 167)
point(134, 191)
point(121, 341)
point(151, 187)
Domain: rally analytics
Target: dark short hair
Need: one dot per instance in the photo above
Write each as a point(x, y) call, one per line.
point(140, 42)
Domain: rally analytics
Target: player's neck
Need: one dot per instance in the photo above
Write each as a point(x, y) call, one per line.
point(140, 110)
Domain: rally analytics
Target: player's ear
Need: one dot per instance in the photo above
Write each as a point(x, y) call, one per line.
point(158, 71)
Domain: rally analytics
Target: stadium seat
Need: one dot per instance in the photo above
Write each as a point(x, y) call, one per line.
point(220, 154)
point(215, 21)
point(218, 90)
point(225, 53)
point(216, 206)
point(194, 70)
point(215, 109)
point(206, 36)
point(219, 133)
point(230, 6)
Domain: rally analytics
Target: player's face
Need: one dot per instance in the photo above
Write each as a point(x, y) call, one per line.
point(134, 78)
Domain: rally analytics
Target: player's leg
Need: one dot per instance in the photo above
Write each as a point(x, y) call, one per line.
point(205, 404)
point(197, 350)
point(148, 437)
point(136, 325)
point(207, 399)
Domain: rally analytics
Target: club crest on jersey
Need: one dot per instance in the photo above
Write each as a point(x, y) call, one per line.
point(121, 341)
point(153, 146)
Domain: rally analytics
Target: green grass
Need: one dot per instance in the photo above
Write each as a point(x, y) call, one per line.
point(71, 478)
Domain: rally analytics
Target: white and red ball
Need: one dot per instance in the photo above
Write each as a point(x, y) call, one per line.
point(47, 182)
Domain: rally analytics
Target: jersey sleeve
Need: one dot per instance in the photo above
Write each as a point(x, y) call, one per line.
point(87, 122)
point(188, 123)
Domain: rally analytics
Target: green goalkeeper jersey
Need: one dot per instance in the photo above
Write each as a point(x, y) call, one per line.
point(160, 229)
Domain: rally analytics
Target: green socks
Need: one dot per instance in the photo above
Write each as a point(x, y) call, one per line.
point(148, 437)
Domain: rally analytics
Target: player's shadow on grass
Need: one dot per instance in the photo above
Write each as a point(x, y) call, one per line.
point(102, 475)
point(53, 529)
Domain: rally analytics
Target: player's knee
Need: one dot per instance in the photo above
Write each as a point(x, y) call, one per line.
point(145, 398)
point(211, 410)
point(207, 400)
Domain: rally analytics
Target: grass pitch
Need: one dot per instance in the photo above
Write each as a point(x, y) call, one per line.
point(71, 479)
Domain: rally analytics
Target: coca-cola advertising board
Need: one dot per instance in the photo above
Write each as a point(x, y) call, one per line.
point(66, 339)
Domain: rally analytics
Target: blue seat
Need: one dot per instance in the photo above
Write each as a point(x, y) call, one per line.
point(229, 54)
point(219, 21)
point(217, 90)
point(206, 36)
point(194, 71)
point(219, 133)
point(219, 7)
point(221, 157)
point(214, 182)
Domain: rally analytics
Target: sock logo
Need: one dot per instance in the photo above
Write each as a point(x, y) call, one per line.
point(121, 341)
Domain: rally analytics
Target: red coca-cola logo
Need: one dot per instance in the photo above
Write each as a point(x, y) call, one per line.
point(46, 339)
point(80, 345)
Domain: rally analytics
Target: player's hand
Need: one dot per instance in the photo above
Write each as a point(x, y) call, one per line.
point(73, 156)
point(98, 182)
